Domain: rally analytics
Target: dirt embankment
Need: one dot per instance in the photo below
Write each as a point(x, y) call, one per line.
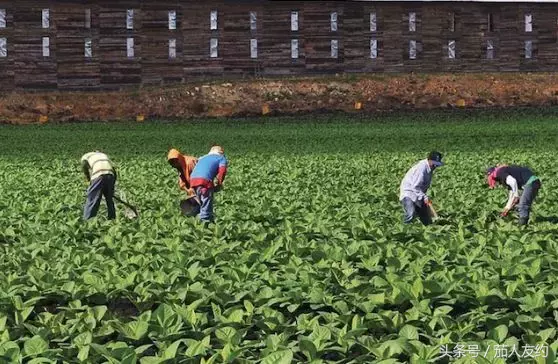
point(257, 97)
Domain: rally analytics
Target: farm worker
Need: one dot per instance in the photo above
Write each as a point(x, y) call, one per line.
point(101, 175)
point(210, 166)
point(516, 178)
point(414, 186)
point(184, 164)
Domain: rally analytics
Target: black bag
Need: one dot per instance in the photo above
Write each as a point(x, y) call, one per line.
point(190, 206)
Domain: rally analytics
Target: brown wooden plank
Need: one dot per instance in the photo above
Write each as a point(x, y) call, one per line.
point(109, 67)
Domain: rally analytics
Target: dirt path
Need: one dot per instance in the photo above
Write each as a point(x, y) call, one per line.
point(285, 96)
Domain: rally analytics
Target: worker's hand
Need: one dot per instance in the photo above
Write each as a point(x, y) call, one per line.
point(504, 213)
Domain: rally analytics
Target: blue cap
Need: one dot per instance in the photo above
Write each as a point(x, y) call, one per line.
point(436, 158)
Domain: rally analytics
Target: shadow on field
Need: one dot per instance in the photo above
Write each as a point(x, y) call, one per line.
point(550, 219)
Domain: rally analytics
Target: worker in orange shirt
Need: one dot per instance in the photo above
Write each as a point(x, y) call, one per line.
point(184, 164)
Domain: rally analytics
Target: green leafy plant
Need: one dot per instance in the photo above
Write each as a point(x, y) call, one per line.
point(308, 261)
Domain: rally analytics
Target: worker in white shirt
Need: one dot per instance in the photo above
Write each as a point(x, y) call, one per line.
point(414, 186)
point(516, 178)
point(101, 175)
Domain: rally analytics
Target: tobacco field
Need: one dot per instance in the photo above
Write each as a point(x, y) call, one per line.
point(309, 261)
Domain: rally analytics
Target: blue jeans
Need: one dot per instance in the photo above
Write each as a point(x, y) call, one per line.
point(100, 186)
point(527, 197)
point(412, 209)
point(206, 197)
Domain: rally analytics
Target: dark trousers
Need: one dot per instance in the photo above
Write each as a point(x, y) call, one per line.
point(100, 186)
point(526, 201)
point(412, 209)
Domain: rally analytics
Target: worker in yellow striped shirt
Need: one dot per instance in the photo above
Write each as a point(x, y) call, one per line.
point(101, 175)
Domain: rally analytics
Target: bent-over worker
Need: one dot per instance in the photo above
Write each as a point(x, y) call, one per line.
point(414, 186)
point(515, 178)
point(184, 164)
point(209, 167)
point(101, 174)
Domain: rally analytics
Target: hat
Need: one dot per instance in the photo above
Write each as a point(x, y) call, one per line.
point(173, 154)
point(217, 149)
point(436, 158)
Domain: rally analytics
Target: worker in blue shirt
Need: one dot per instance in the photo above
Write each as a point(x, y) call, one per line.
point(209, 167)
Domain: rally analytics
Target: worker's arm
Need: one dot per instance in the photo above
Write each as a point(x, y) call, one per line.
point(184, 174)
point(513, 197)
point(418, 180)
point(222, 172)
point(221, 175)
point(183, 181)
point(85, 168)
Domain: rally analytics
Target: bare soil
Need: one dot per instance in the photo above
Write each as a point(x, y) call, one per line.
point(285, 96)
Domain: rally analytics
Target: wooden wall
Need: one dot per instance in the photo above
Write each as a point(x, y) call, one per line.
point(31, 69)
point(74, 70)
point(7, 64)
point(67, 68)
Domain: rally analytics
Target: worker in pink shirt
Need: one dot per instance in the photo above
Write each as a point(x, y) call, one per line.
point(209, 167)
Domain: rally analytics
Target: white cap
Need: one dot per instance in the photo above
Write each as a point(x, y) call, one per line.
point(217, 149)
